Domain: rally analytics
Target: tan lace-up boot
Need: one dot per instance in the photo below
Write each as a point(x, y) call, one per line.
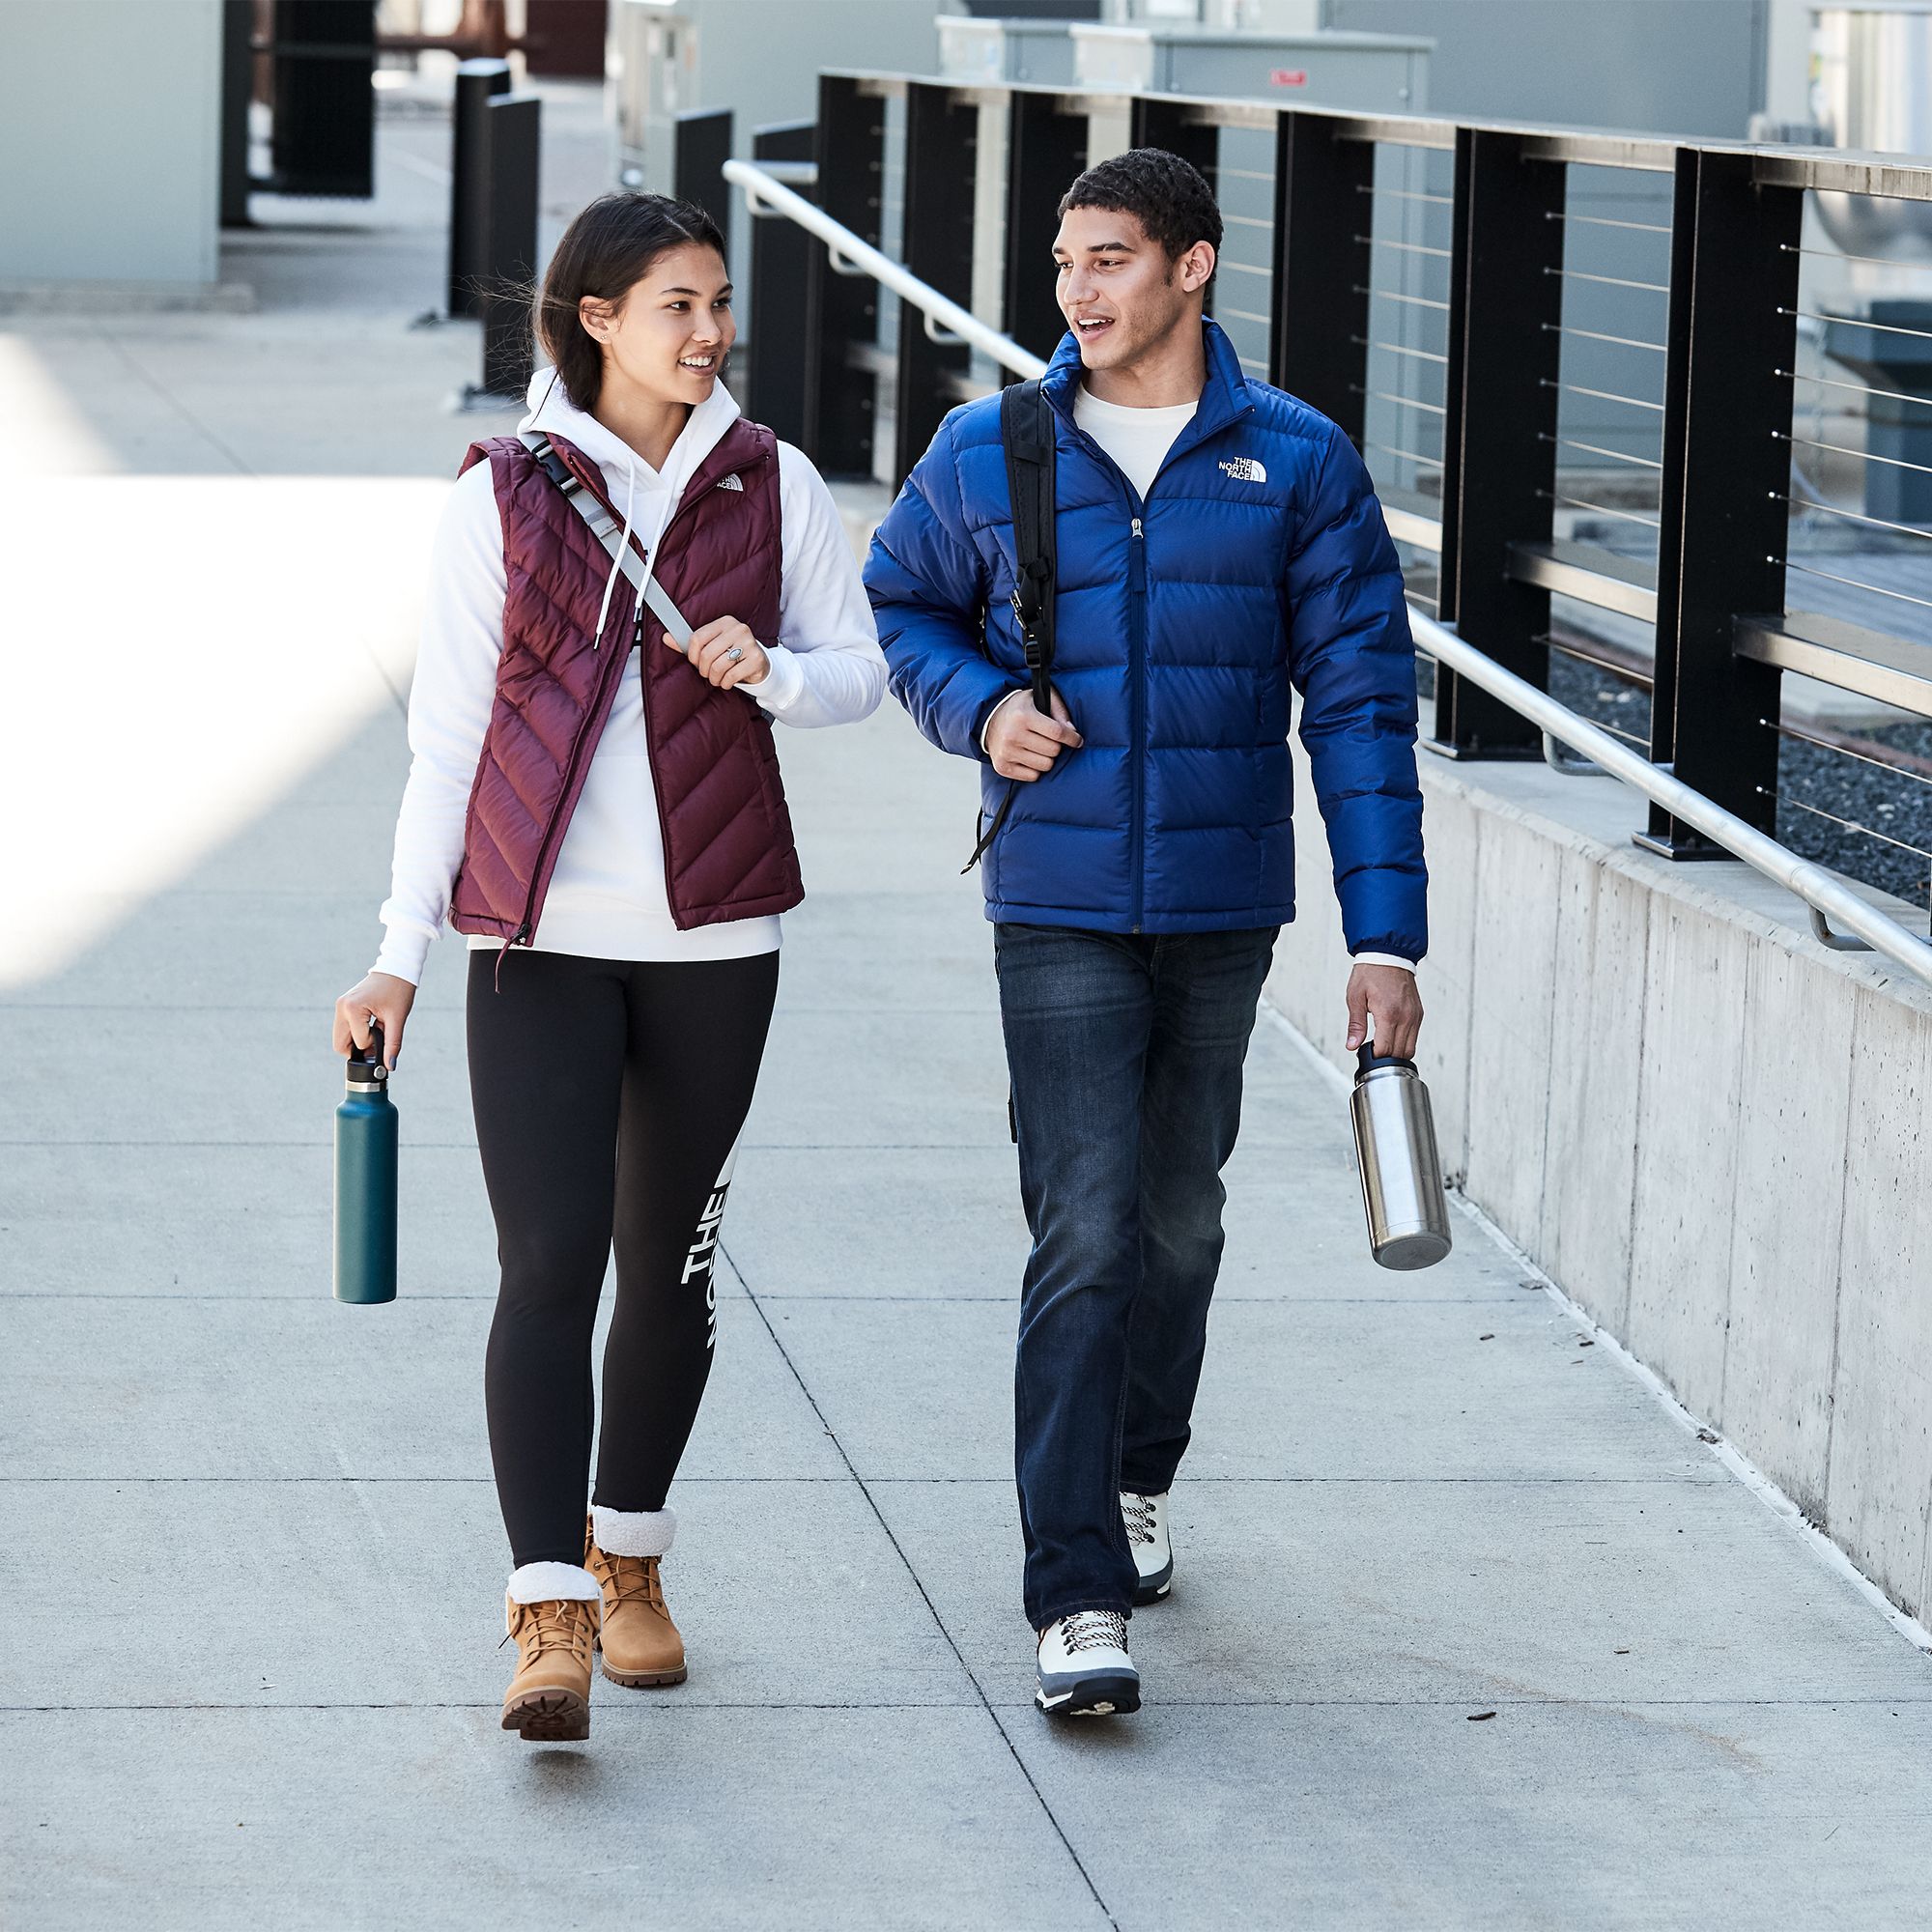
point(642, 1645)
point(549, 1698)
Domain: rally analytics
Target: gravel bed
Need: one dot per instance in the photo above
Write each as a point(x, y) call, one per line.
point(1894, 803)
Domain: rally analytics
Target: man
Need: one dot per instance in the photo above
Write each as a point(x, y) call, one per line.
point(1217, 541)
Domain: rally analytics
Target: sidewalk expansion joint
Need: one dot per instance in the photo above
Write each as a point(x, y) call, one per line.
point(919, 1584)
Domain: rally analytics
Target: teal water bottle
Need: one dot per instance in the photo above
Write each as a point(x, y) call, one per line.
point(365, 1180)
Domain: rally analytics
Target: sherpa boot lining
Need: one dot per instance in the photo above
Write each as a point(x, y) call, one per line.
point(633, 1532)
point(546, 1582)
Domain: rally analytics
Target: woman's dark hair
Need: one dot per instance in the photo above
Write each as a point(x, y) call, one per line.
point(1167, 195)
point(605, 252)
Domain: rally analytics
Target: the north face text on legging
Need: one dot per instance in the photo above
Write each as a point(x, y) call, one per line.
point(702, 1256)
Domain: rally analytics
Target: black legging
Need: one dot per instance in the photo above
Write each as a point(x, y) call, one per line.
point(608, 1098)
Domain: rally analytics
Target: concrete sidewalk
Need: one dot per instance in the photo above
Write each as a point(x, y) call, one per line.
point(1468, 1631)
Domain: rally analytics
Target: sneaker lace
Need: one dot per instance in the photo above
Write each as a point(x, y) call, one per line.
point(1094, 1630)
point(1137, 1513)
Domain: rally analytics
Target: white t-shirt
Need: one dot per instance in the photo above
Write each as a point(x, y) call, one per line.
point(1137, 439)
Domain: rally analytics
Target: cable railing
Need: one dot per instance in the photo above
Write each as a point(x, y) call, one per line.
point(1833, 903)
point(1840, 918)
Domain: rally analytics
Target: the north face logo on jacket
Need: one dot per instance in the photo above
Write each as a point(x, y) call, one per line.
point(1245, 469)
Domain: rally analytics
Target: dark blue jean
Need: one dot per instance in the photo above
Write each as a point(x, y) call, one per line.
point(1125, 1052)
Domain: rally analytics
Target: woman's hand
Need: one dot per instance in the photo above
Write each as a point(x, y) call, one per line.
point(711, 651)
point(380, 997)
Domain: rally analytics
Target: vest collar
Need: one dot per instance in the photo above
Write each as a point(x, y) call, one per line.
point(551, 410)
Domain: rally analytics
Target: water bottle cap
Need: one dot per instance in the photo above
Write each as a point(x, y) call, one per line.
point(1368, 1060)
point(367, 1074)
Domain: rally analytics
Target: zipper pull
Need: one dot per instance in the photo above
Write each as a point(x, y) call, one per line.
point(1137, 529)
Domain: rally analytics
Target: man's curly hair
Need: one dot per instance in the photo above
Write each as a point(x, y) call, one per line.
point(1167, 195)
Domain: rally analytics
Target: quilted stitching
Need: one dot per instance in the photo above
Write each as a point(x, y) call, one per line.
point(728, 846)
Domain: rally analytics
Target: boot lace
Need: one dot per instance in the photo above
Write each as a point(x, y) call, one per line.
point(1094, 1630)
point(632, 1579)
point(1138, 1513)
point(560, 1623)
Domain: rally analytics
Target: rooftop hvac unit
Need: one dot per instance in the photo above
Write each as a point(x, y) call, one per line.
point(1028, 51)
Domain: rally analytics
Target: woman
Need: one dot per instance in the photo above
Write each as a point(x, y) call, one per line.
point(601, 811)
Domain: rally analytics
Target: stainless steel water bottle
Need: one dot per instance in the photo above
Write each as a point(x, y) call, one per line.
point(365, 1180)
point(1401, 1170)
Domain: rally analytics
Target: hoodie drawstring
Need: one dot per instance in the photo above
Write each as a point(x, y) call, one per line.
point(617, 564)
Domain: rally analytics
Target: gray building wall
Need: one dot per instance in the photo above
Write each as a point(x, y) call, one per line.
point(1676, 67)
point(110, 116)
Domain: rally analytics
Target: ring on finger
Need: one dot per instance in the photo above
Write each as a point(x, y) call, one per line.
point(734, 655)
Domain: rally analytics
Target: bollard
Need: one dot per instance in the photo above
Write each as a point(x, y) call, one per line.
point(777, 359)
point(508, 153)
point(700, 146)
point(477, 83)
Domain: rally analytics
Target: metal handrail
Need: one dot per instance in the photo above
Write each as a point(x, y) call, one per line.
point(848, 253)
point(1827, 895)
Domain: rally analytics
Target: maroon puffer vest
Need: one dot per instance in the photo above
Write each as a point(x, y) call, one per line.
point(728, 837)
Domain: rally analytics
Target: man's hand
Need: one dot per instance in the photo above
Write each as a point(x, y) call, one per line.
point(1386, 994)
point(1023, 741)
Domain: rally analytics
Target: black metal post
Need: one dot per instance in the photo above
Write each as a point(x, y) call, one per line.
point(1733, 286)
point(1319, 314)
point(511, 145)
point(941, 143)
point(324, 136)
point(700, 146)
point(777, 357)
point(478, 82)
point(1166, 123)
point(1046, 151)
point(1499, 437)
point(238, 75)
point(842, 312)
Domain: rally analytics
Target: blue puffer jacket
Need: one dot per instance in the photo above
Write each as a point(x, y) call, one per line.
point(1259, 559)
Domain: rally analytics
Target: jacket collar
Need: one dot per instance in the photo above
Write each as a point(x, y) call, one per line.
point(1224, 397)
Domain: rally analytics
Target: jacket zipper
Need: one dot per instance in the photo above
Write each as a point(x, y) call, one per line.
point(685, 505)
point(1137, 674)
point(554, 833)
point(599, 708)
point(1137, 593)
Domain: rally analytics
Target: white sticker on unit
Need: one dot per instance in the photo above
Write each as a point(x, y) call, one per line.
point(1245, 469)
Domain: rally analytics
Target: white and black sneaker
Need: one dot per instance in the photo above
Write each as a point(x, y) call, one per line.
point(1146, 1520)
point(1085, 1670)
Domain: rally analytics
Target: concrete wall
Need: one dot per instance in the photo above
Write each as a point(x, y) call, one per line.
point(1709, 1128)
point(111, 131)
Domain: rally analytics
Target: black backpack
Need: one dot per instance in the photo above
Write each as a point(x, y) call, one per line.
point(1026, 431)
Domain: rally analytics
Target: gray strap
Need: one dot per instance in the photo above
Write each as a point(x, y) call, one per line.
point(611, 534)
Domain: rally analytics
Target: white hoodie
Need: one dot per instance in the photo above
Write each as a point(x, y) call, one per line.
point(606, 898)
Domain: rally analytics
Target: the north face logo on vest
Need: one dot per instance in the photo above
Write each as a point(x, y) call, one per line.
point(1245, 469)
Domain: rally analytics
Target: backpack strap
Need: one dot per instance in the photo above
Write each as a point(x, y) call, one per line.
point(1026, 429)
point(1026, 433)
